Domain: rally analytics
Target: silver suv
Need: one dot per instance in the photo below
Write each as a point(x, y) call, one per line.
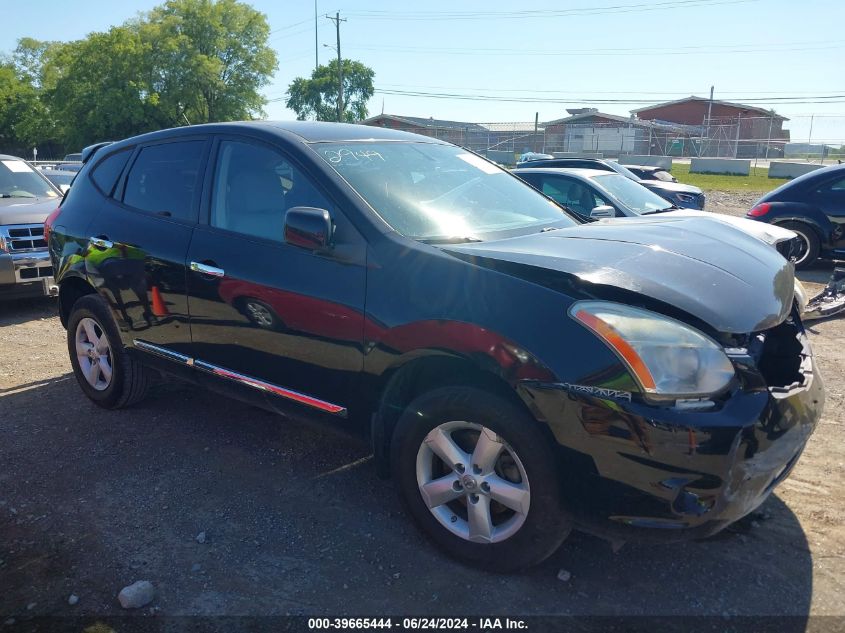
point(26, 199)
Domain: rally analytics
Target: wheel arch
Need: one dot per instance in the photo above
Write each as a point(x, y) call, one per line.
point(401, 384)
point(71, 288)
point(813, 218)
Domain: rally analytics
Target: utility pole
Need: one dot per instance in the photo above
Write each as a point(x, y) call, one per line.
point(738, 128)
point(769, 138)
point(536, 125)
point(707, 124)
point(336, 19)
point(316, 45)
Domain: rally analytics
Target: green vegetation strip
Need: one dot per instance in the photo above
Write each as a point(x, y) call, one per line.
point(758, 181)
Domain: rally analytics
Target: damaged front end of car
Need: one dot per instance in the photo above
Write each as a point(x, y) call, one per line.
point(829, 302)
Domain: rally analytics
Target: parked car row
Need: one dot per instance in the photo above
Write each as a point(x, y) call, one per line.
point(680, 195)
point(519, 368)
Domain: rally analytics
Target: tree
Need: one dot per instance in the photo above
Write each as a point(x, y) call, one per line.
point(209, 59)
point(316, 98)
point(102, 90)
point(186, 61)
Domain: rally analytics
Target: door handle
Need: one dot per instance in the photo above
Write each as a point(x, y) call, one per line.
point(206, 269)
point(100, 242)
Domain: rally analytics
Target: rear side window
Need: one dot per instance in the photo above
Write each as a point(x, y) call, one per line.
point(108, 170)
point(164, 179)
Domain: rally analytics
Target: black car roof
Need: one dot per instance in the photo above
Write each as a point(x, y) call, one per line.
point(304, 131)
point(799, 182)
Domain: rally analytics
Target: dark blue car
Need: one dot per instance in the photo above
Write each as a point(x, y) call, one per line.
point(812, 205)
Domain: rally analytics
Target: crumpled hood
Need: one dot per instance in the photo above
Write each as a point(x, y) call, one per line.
point(771, 234)
point(26, 210)
point(709, 269)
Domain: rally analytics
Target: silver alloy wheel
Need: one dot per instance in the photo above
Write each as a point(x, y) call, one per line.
point(94, 354)
point(803, 249)
point(480, 492)
point(260, 314)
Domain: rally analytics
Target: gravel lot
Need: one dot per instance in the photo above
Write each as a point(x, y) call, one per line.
point(296, 521)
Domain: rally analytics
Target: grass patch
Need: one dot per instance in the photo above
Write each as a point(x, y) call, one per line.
point(756, 182)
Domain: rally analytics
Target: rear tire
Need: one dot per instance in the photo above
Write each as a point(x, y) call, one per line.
point(810, 243)
point(109, 376)
point(503, 513)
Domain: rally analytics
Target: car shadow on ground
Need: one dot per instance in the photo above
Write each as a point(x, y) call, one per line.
point(819, 273)
point(294, 520)
point(23, 310)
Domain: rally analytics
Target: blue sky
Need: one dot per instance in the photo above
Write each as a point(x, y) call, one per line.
point(573, 52)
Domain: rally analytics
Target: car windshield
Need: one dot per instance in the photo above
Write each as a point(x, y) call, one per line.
point(621, 169)
point(630, 194)
point(429, 191)
point(60, 178)
point(19, 180)
point(665, 176)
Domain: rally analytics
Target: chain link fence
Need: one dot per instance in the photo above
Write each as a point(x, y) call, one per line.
point(740, 137)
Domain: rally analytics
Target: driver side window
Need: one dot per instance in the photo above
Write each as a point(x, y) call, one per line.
point(572, 194)
point(254, 186)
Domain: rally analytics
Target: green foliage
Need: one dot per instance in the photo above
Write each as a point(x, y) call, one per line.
point(316, 98)
point(208, 59)
point(185, 61)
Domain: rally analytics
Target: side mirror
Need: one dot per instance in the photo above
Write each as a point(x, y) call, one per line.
point(604, 211)
point(308, 228)
point(64, 188)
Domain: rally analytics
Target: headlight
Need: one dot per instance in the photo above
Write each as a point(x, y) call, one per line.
point(4, 247)
point(684, 198)
point(669, 359)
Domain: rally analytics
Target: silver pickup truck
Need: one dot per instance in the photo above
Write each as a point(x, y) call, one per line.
point(26, 199)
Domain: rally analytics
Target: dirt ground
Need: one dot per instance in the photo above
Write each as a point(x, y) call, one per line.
point(296, 521)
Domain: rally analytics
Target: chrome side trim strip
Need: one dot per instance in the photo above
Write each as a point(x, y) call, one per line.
point(163, 352)
point(249, 381)
point(255, 383)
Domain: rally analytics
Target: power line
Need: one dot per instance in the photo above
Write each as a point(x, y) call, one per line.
point(610, 52)
point(677, 93)
point(510, 99)
point(538, 13)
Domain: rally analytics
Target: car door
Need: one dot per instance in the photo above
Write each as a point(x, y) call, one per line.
point(264, 313)
point(139, 240)
point(572, 193)
point(830, 198)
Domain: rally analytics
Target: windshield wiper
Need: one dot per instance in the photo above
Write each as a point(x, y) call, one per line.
point(454, 239)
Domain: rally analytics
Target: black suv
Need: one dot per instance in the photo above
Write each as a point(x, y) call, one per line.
point(517, 372)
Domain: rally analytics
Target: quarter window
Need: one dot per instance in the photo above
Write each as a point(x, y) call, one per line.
point(164, 179)
point(254, 186)
point(106, 172)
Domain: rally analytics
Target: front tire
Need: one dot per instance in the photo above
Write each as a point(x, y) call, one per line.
point(109, 376)
point(478, 476)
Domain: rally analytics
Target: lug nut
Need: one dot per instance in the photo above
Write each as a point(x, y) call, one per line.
point(457, 487)
point(460, 468)
point(485, 486)
point(473, 498)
